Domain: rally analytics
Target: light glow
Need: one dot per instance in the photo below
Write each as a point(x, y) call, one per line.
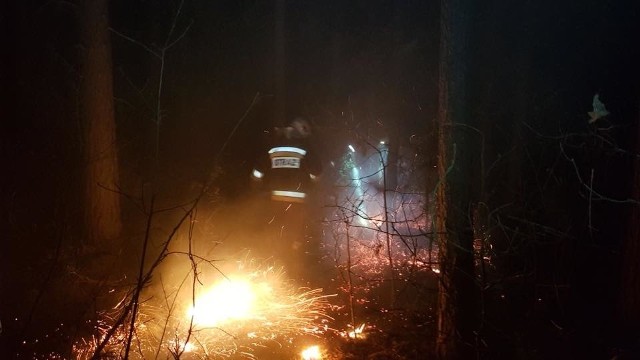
point(356, 333)
point(227, 300)
point(311, 353)
point(181, 347)
point(257, 174)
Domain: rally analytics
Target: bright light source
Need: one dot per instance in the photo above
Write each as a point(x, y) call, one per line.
point(311, 353)
point(382, 142)
point(356, 333)
point(257, 174)
point(352, 149)
point(230, 299)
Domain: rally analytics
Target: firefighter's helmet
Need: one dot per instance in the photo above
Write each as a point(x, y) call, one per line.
point(301, 127)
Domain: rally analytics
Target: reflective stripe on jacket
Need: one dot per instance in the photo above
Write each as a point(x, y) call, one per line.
point(285, 169)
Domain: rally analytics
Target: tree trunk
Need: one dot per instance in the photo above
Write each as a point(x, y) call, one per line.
point(453, 204)
point(280, 81)
point(630, 291)
point(102, 199)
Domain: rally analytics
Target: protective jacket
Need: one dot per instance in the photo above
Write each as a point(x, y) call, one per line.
point(286, 167)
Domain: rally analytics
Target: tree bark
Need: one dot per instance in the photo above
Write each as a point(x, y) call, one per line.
point(102, 199)
point(280, 80)
point(454, 193)
point(630, 290)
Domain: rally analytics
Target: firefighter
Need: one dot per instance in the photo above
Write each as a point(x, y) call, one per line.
point(287, 168)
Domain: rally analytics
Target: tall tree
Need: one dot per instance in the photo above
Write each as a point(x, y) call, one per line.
point(454, 191)
point(102, 201)
point(630, 294)
point(280, 82)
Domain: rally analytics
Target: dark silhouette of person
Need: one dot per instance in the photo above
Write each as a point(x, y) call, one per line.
point(285, 171)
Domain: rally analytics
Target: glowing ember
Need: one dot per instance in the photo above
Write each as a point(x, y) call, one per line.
point(311, 353)
point(356, 333)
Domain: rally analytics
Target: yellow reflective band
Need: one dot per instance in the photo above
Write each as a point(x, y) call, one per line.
point(288, 149)
point(292, 196)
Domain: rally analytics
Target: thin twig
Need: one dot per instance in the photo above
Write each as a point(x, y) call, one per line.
point(589, 188)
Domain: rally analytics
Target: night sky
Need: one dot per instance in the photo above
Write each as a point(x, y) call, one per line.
point(368, 67)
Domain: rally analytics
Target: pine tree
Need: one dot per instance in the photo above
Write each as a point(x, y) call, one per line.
point(102, 200)
point(454, 191)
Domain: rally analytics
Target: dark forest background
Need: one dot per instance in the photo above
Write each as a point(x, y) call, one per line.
point(556, 192)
